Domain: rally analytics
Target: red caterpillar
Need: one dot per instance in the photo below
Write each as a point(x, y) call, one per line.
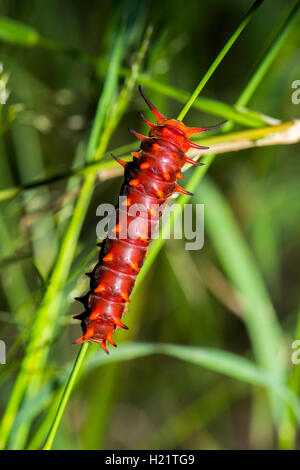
point(150, 179)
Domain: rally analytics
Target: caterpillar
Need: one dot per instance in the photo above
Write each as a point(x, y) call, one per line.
point(149, 180)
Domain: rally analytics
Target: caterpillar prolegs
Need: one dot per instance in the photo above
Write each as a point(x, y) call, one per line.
point(149, 180)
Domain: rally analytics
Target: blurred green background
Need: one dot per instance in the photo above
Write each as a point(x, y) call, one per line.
point(238, 295)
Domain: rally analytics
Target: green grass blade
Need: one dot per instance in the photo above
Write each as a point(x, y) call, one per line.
point(219, 58)
point(194, 96)
point(218, 108)
point(217, 360)
point(49, 309)
point(288, 426)
point(205, 104)
point(66, 395)
point(18, 33)
point(194, 181)
point(269, 56)
point(36, 351)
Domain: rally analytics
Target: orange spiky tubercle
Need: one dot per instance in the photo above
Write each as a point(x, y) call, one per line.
point(149, 180)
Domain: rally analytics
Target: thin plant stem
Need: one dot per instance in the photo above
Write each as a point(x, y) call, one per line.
point(269, 56)
point(66, 394)
point(289, 426)
point(181, 115)
point(198, 174)
point(33, 38)
point(38, 346)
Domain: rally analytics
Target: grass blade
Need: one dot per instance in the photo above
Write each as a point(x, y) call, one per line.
point(66, 395)
point(183, 113)
point(49, 309)
point(219, 58)
point(16, 32)
point(258, 310)
point(269, 56)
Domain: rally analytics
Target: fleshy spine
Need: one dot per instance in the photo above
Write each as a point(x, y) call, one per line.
point(149, 180)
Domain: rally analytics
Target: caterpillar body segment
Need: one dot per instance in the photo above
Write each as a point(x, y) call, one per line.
point(149, 180)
